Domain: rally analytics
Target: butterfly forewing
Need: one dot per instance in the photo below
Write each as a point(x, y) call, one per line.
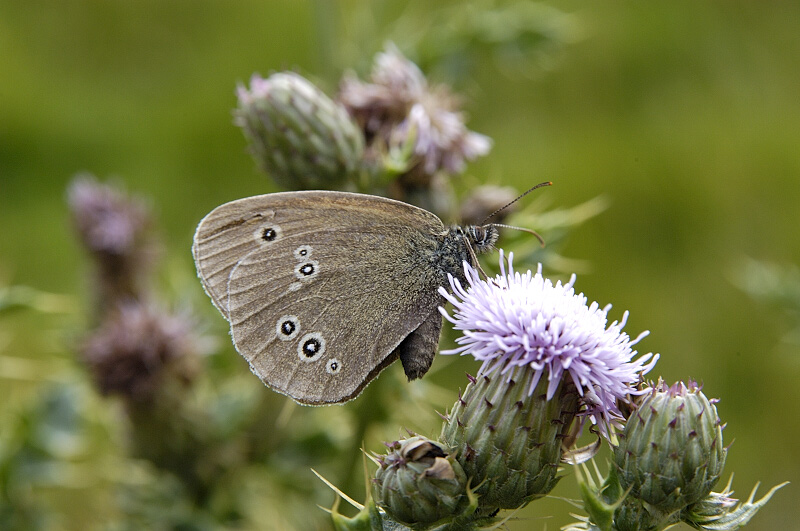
point(222, 239)
point(319, 287)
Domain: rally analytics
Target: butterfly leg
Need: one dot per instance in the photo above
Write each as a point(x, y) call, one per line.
point(417, 350)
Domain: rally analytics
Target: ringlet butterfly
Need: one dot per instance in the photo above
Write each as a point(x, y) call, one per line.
point(325, 289)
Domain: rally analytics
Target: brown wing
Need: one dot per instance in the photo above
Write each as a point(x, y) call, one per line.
point(319, 305)
point(225, 236)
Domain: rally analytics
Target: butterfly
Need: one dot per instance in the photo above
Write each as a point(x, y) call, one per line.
point(324, 289)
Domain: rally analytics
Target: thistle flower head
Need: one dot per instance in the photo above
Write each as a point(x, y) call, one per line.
point(519, 320)
point(115, 229)
point(399, 104)
point(107, 221)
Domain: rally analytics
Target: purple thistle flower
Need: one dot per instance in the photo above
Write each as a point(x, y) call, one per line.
point(524, 319)
point(137, 347)
point(116, 230)
point(399, 102)
point(108, 221)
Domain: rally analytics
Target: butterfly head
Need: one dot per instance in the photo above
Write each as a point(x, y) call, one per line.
point(482, 237)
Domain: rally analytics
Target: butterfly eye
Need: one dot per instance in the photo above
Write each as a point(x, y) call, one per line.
point(484, 238)
point(267, 234)
point(311, 347)
point(333, 366)
point(287, 327)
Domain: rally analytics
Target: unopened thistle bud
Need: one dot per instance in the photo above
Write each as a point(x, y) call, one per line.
point(671, 454)
point(297, 134)
point(645, 494)
point(419, 483)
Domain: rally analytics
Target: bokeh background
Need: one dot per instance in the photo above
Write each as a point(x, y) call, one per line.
point(684, 117)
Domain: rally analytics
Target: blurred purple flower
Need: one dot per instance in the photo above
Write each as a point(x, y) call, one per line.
point(398, 103)
point(107, 220)
point(136, 346)
point(523, 319)
point(115, 229)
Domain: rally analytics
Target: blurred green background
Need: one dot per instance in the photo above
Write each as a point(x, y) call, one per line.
point(685, 116)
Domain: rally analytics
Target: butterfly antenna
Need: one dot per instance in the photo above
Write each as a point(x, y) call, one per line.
point(529, 231)
point(540, 185)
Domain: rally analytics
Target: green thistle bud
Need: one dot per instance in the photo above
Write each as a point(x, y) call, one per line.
point(670, 454)
point(297, 134)
point(508, 440)
point(418, 483)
